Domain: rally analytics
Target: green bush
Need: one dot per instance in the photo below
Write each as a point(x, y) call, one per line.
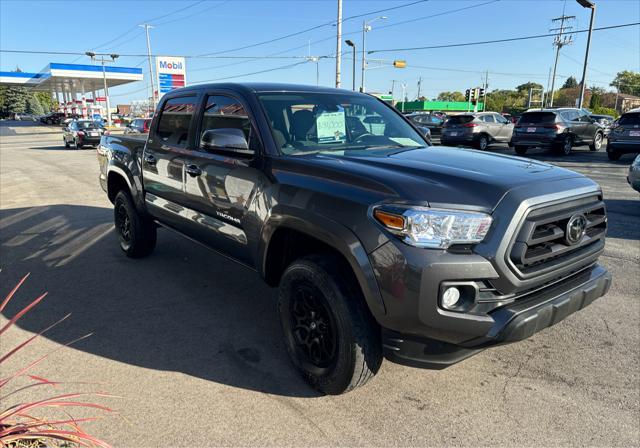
point(605, 111)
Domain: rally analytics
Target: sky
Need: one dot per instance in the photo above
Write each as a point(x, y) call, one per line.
point(197, 27)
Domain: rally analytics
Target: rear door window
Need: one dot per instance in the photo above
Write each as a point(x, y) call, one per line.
point(175, 119)
point(538, 117)
point(630, 119)
point(488, 119)
point(570, 115)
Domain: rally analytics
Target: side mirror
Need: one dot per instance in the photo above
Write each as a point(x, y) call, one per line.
point(226, 140)
point(426, 133)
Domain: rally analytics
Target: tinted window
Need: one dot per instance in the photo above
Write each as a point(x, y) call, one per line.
point(175, 117)
point(460, 119)
point(500, 119)
point(223, 112)
point(488, 119)
point(537, 117)
point(570, 115)
point(630, 119)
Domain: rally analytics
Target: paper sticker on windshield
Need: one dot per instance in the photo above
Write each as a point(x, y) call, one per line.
point(331, 127)
point(405, 141)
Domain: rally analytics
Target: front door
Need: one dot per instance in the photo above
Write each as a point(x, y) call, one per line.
point(163, 160)
point(221, 187)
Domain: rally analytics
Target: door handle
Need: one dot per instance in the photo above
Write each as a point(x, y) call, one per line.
point(150, 159)
point(193, 170)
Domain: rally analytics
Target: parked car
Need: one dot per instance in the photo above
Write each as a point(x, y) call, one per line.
point(624, 136)
point(138, 126)
point(379, 244)
point(52, 118)
point(605, 121)
point(560, 129)
point(634, 174)
point(476, 129)
point(430, 121)
point(79, 133)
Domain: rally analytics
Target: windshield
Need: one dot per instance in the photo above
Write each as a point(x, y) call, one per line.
point(628, 119)
point(85, 124)
point(538, 117)
point(308, 122)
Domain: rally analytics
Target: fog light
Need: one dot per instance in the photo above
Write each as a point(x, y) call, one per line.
point(450, 297)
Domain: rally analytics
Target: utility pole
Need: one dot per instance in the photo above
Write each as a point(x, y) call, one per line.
point(366, 27)
point(404, 95)
point(590, 5)
point(339, 44)
point(153, 89)
point(486, 87)
point(102, 60)
point(419, 85)
point(559, 41)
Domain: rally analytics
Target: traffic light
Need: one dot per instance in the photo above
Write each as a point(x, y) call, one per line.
point(467, 96)
point(474, 95)
point(481, 95)
point(398, 63)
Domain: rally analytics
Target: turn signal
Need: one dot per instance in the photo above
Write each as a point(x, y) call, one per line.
point(389, 220)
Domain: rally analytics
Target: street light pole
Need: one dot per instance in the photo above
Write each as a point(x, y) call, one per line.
point(592, 6)
point(153, 89)
point(102, 60)
point(366, 27)
point(353, 70)
point(339, 44)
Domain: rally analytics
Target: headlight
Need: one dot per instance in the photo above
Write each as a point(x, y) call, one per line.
point(435, 228)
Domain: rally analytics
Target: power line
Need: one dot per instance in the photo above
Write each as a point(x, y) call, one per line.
point(495, 41)
point(297, 33)
point(283, 67)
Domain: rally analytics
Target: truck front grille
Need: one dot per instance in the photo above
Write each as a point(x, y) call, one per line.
point(543, 241)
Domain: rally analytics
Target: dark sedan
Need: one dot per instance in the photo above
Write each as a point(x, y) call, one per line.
point(81, 133)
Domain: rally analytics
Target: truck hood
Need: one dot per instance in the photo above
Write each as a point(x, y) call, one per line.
point(444, 176)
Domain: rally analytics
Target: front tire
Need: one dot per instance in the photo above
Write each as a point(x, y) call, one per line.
point(612, 155)
point(597, 142)
point(66, 143)
point(136, 232)
point(330, 335)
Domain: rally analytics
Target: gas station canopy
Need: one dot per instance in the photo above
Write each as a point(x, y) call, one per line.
point(72, 78)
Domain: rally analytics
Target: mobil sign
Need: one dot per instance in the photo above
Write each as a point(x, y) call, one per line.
point(171, 73)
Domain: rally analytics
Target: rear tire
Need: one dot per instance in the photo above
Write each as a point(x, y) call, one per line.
point(520, 150)
point(565, 146)
point(597, 142)
point(612, 155)
point(330, 336)
point(137, 233)
point(483, 143)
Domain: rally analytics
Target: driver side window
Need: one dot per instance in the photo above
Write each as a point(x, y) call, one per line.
point(225, 112)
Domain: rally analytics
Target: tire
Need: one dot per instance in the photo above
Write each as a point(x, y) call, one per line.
point(520, 150)
point(483, 142)
point(136, 233)
point(564, 148)
point(330, 336)
point(612, 155)
point(75, 144)
point(597, 142)
point(66, 143)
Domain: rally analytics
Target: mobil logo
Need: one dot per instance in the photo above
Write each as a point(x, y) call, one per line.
point(170, 65)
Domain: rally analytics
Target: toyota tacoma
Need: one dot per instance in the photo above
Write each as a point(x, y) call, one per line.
point(380, 244)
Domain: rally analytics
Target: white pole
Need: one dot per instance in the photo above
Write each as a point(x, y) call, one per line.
point(153, 89)
point(339, 44)
point(106, 93)
point(364, 50)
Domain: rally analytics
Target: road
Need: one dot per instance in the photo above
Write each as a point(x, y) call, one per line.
point(192, 344)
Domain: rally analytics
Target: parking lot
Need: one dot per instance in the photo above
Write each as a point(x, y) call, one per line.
point(192, 344)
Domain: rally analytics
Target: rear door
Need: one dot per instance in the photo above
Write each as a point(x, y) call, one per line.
point(163, 160)
point(490, 126)
point(506, 128)
point(220, 188)
point(576, 127)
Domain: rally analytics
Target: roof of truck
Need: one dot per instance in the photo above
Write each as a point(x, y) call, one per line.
point(259, 87)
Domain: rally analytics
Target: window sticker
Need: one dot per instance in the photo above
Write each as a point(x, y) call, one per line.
point(331, 127)
point(405, 141)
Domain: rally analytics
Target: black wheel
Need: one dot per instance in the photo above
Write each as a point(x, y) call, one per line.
point(75, 144)
point(521, 150)
point(330, 335)
point(483, 143)
point(597, 142)
point(137, 233)
point(66, 143)
point(565, 146)
point(612, 155)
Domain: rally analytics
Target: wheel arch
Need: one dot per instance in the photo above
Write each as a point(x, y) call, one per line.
point(287, 236)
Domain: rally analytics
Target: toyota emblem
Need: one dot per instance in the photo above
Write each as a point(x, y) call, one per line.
point(576, 228)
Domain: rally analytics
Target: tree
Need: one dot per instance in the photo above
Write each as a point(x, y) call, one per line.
point(46, 101)
point(627, 82)
point(15, 100)
point(33, 106)
point(451, 96)
point(524, 88)
point(596, 97)
point(570, 83)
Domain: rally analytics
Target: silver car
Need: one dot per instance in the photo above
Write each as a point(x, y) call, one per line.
point(634, 174)
point(476, 129)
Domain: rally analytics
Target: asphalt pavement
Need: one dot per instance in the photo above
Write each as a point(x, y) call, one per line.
point(191, 342)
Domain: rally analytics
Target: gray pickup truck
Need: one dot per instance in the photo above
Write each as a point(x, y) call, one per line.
point(380, 245)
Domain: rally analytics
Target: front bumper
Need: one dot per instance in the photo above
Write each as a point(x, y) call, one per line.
point(514, 322)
